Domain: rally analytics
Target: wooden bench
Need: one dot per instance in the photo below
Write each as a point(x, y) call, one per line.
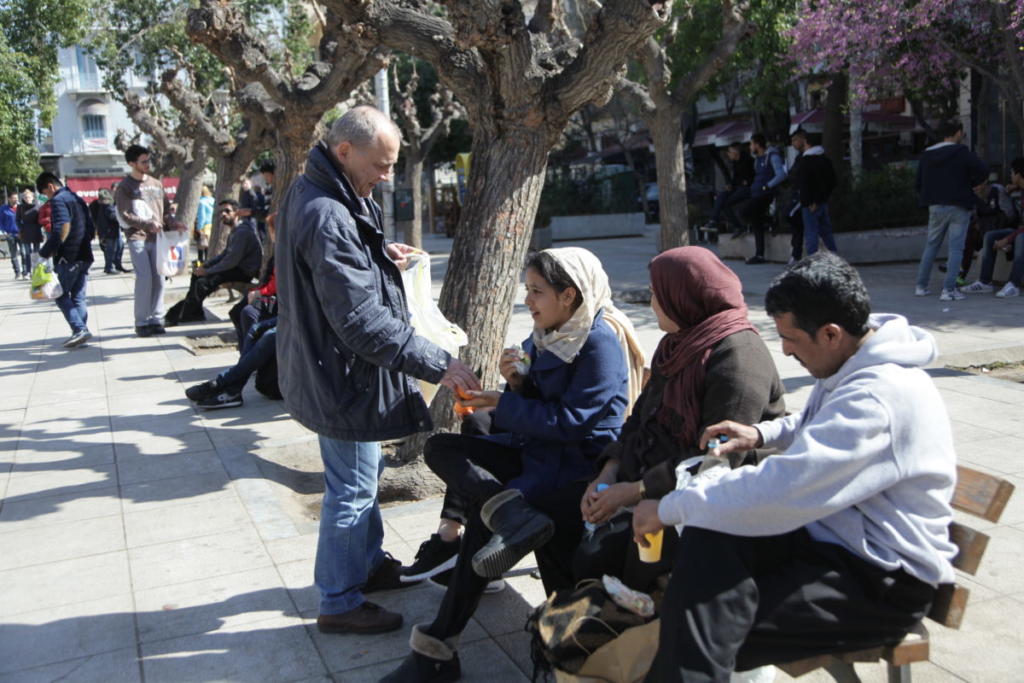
point(978, 494)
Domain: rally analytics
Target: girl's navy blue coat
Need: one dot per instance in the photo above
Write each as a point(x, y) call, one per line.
point(565, 413)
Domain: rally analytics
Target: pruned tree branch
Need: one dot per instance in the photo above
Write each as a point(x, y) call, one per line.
point(735, 27)
point(155, 127)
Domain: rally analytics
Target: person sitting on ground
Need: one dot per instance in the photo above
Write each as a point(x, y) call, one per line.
point(521, 486)
point(838, 543)
point(225, 390)
point(239, 262)
point(1007, 240)
point(710, 365)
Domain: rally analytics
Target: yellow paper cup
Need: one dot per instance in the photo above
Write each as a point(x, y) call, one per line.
point(652, 553)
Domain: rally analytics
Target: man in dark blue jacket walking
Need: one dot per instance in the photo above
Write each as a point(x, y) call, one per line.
point(946, 176)
point(70, 247)
point(348, 359)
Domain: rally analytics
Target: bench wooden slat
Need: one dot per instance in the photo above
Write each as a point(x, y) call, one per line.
point(949, 605)
point(972, 546)
point(914, 648)
point(804, 666)
point(980, 494)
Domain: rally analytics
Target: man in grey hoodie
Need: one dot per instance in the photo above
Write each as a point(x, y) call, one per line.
point(947, 174)
point(838, 543)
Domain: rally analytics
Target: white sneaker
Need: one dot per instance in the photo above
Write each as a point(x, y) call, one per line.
point(951, 295)
point(1008, 290)
point(921, 291)
point(977, 287)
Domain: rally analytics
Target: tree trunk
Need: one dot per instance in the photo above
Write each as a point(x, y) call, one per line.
point(414, 176)
point(488, 254)
point(832, 139)
point(672, 204)
point(856, 139)
point(190, 185)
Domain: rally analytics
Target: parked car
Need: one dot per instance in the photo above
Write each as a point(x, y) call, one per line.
point(696, 193)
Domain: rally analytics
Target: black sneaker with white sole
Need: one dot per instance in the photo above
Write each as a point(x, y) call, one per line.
point(198, 392)
point(434, 556)
point(225, 399)
point(441, 581)
point(77, 339)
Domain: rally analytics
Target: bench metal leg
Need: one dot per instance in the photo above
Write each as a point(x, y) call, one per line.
point(898, 674)
point(842, 672)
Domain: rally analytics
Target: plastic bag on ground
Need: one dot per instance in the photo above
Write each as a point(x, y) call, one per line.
point(424, 315)
point(171, 252)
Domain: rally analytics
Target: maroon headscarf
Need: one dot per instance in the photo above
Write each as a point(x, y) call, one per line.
point(701, 295)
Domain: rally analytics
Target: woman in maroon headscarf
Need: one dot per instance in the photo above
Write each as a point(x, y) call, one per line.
point(711, 365)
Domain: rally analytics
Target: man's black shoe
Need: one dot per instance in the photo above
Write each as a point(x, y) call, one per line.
point(386, 577)
point(124, 270)
point(157, 328)
point(367, 618)
point(143, 330)
point(434, 556)
point(222, 400)
point(755, 260)
point(200, 391)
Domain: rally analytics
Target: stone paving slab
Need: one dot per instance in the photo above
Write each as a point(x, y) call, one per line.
point(143, 540)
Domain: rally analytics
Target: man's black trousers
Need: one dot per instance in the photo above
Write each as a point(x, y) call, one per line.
point(191, 308)
point(737, 603)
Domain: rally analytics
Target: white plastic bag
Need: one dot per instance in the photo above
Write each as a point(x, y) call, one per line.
point(171, 252)
point(45, 285)
point(426, 318)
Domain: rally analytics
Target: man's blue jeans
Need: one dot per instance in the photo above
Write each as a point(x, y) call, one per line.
point(12, 246)
point(942, 219)
point(988, 259)
point(26, 249)
point(254, 356)
point(73, 278)
point(817, 224)
point(351, 527)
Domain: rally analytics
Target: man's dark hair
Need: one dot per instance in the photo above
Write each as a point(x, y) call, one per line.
point(554, 274)
point(948, 129)
point(267, 167)
point(736, 145)
point(228, 201)
point(760, 140)
point(46, 178)
point(821, 289)
point(1017, 165)
point(799, 133)
point(132, 154)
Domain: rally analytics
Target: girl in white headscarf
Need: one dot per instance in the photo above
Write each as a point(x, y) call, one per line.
point(520, 488)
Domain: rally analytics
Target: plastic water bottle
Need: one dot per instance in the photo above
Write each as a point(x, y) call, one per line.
point(715, 443)
point(590, 527)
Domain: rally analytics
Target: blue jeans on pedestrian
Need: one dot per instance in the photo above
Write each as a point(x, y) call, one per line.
point(26, 249)
point(73, 278)
point(351, 528)
point(12, 247)
point(817, 224)
point(255, 356)
point(988, 258)
point(113, 249)
point(942, 219)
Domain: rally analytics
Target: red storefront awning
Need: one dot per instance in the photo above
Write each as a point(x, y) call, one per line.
point(88, 187)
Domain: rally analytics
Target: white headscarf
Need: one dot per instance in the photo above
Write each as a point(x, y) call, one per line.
point(586, 271)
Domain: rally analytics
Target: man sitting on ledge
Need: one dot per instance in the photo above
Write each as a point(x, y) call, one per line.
point(838, 543)
point(239, 262)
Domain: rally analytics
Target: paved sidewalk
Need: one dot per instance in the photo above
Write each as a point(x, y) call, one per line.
point(141, 540)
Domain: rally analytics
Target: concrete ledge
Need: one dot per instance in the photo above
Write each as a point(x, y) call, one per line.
point(597, 225)
point(862, 246)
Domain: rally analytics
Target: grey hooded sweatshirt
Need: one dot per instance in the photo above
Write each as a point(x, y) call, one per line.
point(868, 464)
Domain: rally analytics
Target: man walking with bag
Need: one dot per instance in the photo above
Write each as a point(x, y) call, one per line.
point(70, 247)
point(348, 358)
point(144, 210)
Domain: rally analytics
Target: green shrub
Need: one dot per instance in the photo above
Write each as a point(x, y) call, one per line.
point(883, 198)
point(564, 196)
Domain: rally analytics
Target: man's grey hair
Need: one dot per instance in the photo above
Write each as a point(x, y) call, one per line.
point(360, 126)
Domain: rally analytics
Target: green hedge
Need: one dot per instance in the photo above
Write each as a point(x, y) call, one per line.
point(563, 196)
point(883, 198)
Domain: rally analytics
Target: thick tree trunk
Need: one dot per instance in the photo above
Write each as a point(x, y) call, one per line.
point(856, 139)
point(832, 139)
point(672, 205)
point(487, 256)
point(414, 176)
point(190, 185)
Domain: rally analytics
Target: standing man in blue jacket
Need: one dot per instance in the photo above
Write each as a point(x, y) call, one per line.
point(348, 359)
point(947, 174)
point(9, 226)
point(769, 173)
point(70, 247)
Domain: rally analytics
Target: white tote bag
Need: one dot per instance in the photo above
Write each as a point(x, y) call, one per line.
point(424, 315)
point(171, 252)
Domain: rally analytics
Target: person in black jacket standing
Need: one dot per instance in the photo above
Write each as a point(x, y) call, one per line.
point(104, 217)
point(815, 180)
point(946, 176)
point(348, 357)
point(30, 232)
